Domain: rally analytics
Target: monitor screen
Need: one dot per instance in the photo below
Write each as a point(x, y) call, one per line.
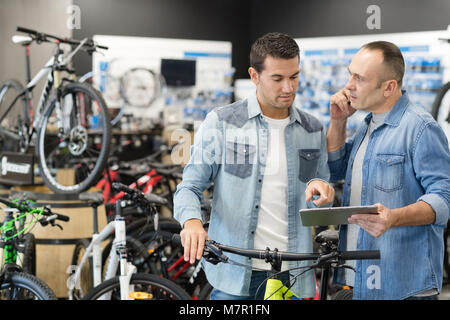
point(178, 72)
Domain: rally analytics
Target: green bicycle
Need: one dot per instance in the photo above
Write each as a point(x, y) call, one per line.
point(327, 258)
point(17, 251)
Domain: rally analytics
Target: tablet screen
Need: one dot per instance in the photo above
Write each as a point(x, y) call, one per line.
point(332, 216)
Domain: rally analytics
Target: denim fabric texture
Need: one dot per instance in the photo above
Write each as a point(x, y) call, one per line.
point(230, 148)
point(407, 160)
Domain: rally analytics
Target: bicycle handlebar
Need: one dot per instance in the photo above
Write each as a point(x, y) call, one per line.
point(138, 196)
point(22, 207)
point(214, 248)
point(41, 36)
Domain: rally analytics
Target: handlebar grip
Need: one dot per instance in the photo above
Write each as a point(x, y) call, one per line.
point(62, 217)
point(26, 30)
point(176, 239)
point(361, 255)
point(121, 187)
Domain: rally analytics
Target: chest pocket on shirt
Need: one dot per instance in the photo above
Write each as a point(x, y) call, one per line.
point(239, 159)
point(309, 162)
point(389, 172)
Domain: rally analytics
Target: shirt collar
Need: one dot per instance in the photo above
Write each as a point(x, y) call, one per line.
point(395, 114)
point(254, 109)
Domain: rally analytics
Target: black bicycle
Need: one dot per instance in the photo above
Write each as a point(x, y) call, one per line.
point(326, 259)
point(72, 122)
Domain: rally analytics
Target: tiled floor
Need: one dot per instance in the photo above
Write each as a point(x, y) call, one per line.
point(445, 294)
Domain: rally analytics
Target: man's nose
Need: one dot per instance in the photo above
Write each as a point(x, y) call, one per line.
point(288, 86)
point(350, 84)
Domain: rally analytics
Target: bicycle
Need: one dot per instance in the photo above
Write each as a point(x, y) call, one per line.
point(129, 284)
point(161, 256)
point(70, 128)
point(16, 251)
point(328, 258)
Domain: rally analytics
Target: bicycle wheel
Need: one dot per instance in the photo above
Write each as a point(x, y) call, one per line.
point(146, 286)
point(17, 118)
point(441, 108)
point(140, 87)
point(86, 280)
point(29, 254)
point(74, 139)
point(23, 286)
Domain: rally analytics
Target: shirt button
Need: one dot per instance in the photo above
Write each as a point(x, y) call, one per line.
point(256, 206)
point(259, 180)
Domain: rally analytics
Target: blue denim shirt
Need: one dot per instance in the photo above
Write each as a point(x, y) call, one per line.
point(230, 149)
point(407, 160)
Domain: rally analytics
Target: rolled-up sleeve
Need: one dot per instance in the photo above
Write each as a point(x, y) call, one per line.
point(205, 155)
point(432, 166)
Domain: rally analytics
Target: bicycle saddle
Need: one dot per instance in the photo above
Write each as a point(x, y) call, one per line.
point(328, 236)
point(96, 197)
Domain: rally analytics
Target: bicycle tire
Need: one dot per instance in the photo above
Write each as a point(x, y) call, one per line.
point(79, 154)
point(86, 280)
point(140, 87)
point(446, 251)
point(29, 254)
point(30, 288)
point(344, 294)
point(436, 108)
point(16, 116)
point(160, 288)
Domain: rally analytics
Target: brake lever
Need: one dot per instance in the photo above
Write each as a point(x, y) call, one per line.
point(213, 254)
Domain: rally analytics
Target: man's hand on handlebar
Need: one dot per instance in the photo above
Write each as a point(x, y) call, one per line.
point(193, 238)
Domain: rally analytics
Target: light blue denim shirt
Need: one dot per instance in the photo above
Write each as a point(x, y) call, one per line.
point(230, 149)
point(407, 160)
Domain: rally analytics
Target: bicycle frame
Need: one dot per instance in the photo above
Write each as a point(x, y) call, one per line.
point(94, 249)
point(52, 69)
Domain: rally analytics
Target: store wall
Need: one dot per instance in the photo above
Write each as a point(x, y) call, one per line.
point(43, 15)
point(238, 21)
point(223, 20)
point(322, 18)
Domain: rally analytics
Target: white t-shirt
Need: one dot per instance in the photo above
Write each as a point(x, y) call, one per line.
point(272, 227)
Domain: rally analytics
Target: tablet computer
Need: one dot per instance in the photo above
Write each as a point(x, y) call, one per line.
point(333, 215)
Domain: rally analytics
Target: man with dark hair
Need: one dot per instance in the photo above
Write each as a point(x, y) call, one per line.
point(267, 160)
point(399, 160)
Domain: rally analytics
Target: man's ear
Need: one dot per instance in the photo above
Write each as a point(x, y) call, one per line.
point(254, 76)
point(390, 87)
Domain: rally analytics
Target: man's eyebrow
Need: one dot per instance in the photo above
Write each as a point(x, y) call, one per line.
point(276, 75)
point(356, 74)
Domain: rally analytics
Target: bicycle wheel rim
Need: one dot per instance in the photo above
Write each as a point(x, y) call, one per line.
point(139, 87)
point(72, 153)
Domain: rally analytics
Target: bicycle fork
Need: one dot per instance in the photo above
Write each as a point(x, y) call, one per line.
point(126, 268)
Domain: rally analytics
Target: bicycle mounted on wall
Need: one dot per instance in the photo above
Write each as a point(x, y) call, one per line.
point(72, 123)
